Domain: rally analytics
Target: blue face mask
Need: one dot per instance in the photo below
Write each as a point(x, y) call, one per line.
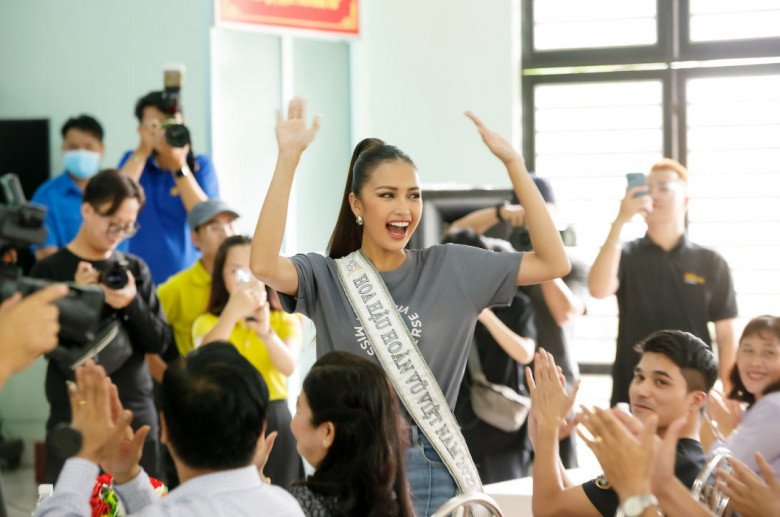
point(82, 164)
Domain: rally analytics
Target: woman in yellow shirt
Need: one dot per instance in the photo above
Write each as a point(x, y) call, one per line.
point(245, 312)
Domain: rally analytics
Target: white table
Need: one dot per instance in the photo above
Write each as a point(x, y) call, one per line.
point(514, 496)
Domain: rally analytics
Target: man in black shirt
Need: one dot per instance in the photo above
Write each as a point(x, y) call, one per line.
point(675, 372)
point(110, 206)
point(663, 281)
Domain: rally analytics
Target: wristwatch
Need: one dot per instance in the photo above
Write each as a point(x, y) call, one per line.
point(635, 505)
point(499, 206)
point(184, 171)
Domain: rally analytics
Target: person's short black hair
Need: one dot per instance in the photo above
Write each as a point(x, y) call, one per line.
point(151, 99)
point(111, 186)
point(83, 123)
point(696, 361)
point(214, 403)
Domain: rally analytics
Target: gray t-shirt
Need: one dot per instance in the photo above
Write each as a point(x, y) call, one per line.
point(439, 291)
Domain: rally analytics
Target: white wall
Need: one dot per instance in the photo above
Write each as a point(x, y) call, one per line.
point(247, 91)
point(63, 58)
point(419, 65)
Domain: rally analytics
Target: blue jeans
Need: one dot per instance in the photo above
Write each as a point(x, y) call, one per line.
point(430, 481)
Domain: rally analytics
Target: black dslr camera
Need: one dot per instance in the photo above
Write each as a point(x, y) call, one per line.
point(115, 275)
point(176, 134)
point(21, 224)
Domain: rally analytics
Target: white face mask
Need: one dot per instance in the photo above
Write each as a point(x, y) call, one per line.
point(81, 163)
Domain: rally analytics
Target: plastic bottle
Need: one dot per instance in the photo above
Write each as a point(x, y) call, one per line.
point(44, 492)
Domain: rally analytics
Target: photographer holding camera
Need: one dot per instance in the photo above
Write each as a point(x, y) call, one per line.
point(174, 179)
point(132, 323)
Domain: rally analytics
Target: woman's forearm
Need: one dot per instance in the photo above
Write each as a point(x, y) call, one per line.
point(222, 330)
point(519, 348)
point(269, 232)
point(283, 353)
point(545, 239)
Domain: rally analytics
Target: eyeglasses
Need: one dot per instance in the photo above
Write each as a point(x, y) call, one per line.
point(216, 227)
point(115, 230)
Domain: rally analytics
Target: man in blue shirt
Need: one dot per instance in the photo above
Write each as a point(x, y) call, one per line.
point(82, 151)
point(174, 180)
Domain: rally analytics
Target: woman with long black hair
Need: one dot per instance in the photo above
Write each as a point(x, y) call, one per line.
point(349, 428)
point(438, 291)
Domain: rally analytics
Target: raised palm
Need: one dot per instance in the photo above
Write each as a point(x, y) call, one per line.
point(292, 133)
point(495, 142)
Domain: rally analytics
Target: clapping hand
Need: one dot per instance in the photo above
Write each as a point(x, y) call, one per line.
point(748, 494)
point(292, 133)
point(104, 424)
point(628, 460)
point(549, 401)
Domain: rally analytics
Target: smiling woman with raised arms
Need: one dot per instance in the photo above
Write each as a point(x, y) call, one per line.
point(412, 310)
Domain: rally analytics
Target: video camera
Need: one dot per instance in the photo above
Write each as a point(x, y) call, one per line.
point(21, 224)
point(176, 133)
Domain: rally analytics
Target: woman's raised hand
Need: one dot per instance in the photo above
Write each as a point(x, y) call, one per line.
point(495, 142)
point(292, 133)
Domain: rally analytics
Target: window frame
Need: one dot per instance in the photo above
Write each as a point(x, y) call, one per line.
point(673, 60)
point(529, 82)
point(721, 49)
point(629, 54)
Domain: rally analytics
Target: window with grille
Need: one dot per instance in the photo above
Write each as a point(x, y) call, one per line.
point(609, 87)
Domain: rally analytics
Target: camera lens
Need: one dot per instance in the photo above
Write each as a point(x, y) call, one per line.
point(177, 135)
point(115, 277)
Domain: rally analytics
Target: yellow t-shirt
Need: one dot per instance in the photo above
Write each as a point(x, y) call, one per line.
point(253, 348)
point(184, 297)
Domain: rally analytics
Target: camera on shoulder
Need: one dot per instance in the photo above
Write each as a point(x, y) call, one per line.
point(21, 224)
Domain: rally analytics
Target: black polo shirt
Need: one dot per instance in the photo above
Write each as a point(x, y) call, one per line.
point(680, 289)
point(688, 462)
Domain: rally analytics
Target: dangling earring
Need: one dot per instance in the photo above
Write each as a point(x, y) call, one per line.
point(359, 220)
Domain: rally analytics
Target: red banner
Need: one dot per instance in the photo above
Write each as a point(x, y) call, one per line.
point(334, 16)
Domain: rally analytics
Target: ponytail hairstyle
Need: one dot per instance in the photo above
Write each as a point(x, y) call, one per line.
point(368, 155)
